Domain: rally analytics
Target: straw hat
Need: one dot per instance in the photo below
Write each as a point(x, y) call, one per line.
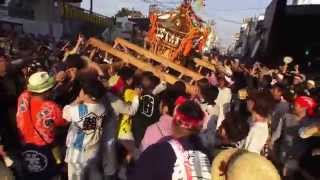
point(40, 82)
point(310, 131)
point(235, 164)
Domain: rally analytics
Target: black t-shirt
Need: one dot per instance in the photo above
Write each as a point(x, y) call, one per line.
point(239, 81)
point(308, 160)
point(38, 162)
point(158, 161)
point(8, 102)
point(148, 113)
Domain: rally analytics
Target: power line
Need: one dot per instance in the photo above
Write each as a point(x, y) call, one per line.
point(229, 20)
point(162, 2)
point(233, 10)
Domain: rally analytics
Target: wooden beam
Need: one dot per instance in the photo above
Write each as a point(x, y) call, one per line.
point(127, 58)
point(205, 64)
point(164, 61)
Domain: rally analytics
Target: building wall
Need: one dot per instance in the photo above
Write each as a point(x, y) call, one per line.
point(76, 4)
point(44, 10)
point(55, 29)
point(47, 18)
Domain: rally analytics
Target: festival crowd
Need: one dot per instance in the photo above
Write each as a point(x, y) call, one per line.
point(64, 116)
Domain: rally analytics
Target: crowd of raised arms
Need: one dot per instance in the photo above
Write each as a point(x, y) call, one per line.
point(64, 116)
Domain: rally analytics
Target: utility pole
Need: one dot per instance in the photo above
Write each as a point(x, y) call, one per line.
point(91, 6)
point(63, 18)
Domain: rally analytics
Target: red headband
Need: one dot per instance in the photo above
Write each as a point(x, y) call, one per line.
point(306, 102)
point(187, 122)
point(180, 100)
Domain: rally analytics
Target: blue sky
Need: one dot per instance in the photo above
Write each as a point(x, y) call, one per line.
point(226, 13)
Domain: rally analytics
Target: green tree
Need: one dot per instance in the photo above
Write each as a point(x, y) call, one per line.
point(123, 12)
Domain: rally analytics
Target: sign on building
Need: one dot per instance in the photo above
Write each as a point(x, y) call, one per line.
point(302, 2)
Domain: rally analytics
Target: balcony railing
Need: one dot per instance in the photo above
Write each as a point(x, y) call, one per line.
point(72, 12)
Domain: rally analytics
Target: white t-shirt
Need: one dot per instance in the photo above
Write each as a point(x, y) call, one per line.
point(211, 113)
point(85, 131)
point(257, 137)
point(223, 101)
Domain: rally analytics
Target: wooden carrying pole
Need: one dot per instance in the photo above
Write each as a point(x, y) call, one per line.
point(127, 58)
point(164, 61)
point(205, 64)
